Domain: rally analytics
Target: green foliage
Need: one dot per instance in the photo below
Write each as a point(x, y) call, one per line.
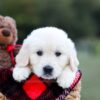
point(80, 18)
point(91, 46)
point(90, 66)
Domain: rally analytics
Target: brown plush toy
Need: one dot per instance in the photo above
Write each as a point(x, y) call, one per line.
point(8, 47)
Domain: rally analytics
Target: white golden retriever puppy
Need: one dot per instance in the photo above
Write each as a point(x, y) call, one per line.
point(50, 54)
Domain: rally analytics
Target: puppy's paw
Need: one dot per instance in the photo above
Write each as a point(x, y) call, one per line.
point(66, 78)
point(64, 83)
point(20, 74)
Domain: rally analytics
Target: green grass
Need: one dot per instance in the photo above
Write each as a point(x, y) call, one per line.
point(90, 66)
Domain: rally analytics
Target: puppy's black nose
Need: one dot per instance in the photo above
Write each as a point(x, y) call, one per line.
point(6, 33)
point(48, 69)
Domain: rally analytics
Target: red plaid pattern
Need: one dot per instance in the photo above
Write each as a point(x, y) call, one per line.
point(14, 90)
point(68, 90)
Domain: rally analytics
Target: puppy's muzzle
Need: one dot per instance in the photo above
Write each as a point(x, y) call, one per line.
point(48, 70)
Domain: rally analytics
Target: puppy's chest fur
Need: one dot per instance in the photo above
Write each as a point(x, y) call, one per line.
point(5, 60)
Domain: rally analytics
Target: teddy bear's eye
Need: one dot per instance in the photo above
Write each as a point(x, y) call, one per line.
point(39, 53)
point(57, 53)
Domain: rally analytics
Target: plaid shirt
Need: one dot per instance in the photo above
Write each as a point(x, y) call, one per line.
point(49, 90)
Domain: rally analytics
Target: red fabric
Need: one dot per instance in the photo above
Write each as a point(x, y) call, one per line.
point(34, 87)
point(68, 90)
point(76, 80)
point(10, 49)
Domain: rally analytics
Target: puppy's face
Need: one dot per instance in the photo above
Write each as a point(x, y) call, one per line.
point(48, 50)
point(48, 55)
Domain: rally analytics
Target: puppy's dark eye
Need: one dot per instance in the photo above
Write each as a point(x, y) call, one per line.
point(57, 53)
point(39, 53)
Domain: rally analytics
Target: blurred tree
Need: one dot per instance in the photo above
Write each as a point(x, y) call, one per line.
point(80, 18)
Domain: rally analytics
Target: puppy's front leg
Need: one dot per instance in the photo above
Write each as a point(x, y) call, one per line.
point(66, 78)
point(21, 73)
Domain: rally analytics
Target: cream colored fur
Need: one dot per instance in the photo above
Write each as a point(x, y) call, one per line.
point(49, 40)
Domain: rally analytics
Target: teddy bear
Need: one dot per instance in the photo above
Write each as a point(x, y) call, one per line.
point(8, 38)
point(8, 47)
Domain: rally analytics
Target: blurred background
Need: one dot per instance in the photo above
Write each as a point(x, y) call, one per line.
point(80, 18)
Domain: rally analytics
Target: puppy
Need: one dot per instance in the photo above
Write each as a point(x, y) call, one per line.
point(50, 54)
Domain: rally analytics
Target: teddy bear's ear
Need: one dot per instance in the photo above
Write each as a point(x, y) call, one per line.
point(12, 24)
point(1, 17)
point(1, 20)
point(22, 59)
point(10, 20)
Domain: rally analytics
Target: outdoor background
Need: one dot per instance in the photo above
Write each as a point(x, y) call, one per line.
point(80, 18)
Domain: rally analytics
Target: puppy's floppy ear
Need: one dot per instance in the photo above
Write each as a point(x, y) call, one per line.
point(22, 59)
point(73, 60)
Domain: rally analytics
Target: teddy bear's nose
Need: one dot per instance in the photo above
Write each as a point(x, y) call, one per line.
point(6, 33)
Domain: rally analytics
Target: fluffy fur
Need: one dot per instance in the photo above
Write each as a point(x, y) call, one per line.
point(8, 36)
point(44, 47)
point(8, 24)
